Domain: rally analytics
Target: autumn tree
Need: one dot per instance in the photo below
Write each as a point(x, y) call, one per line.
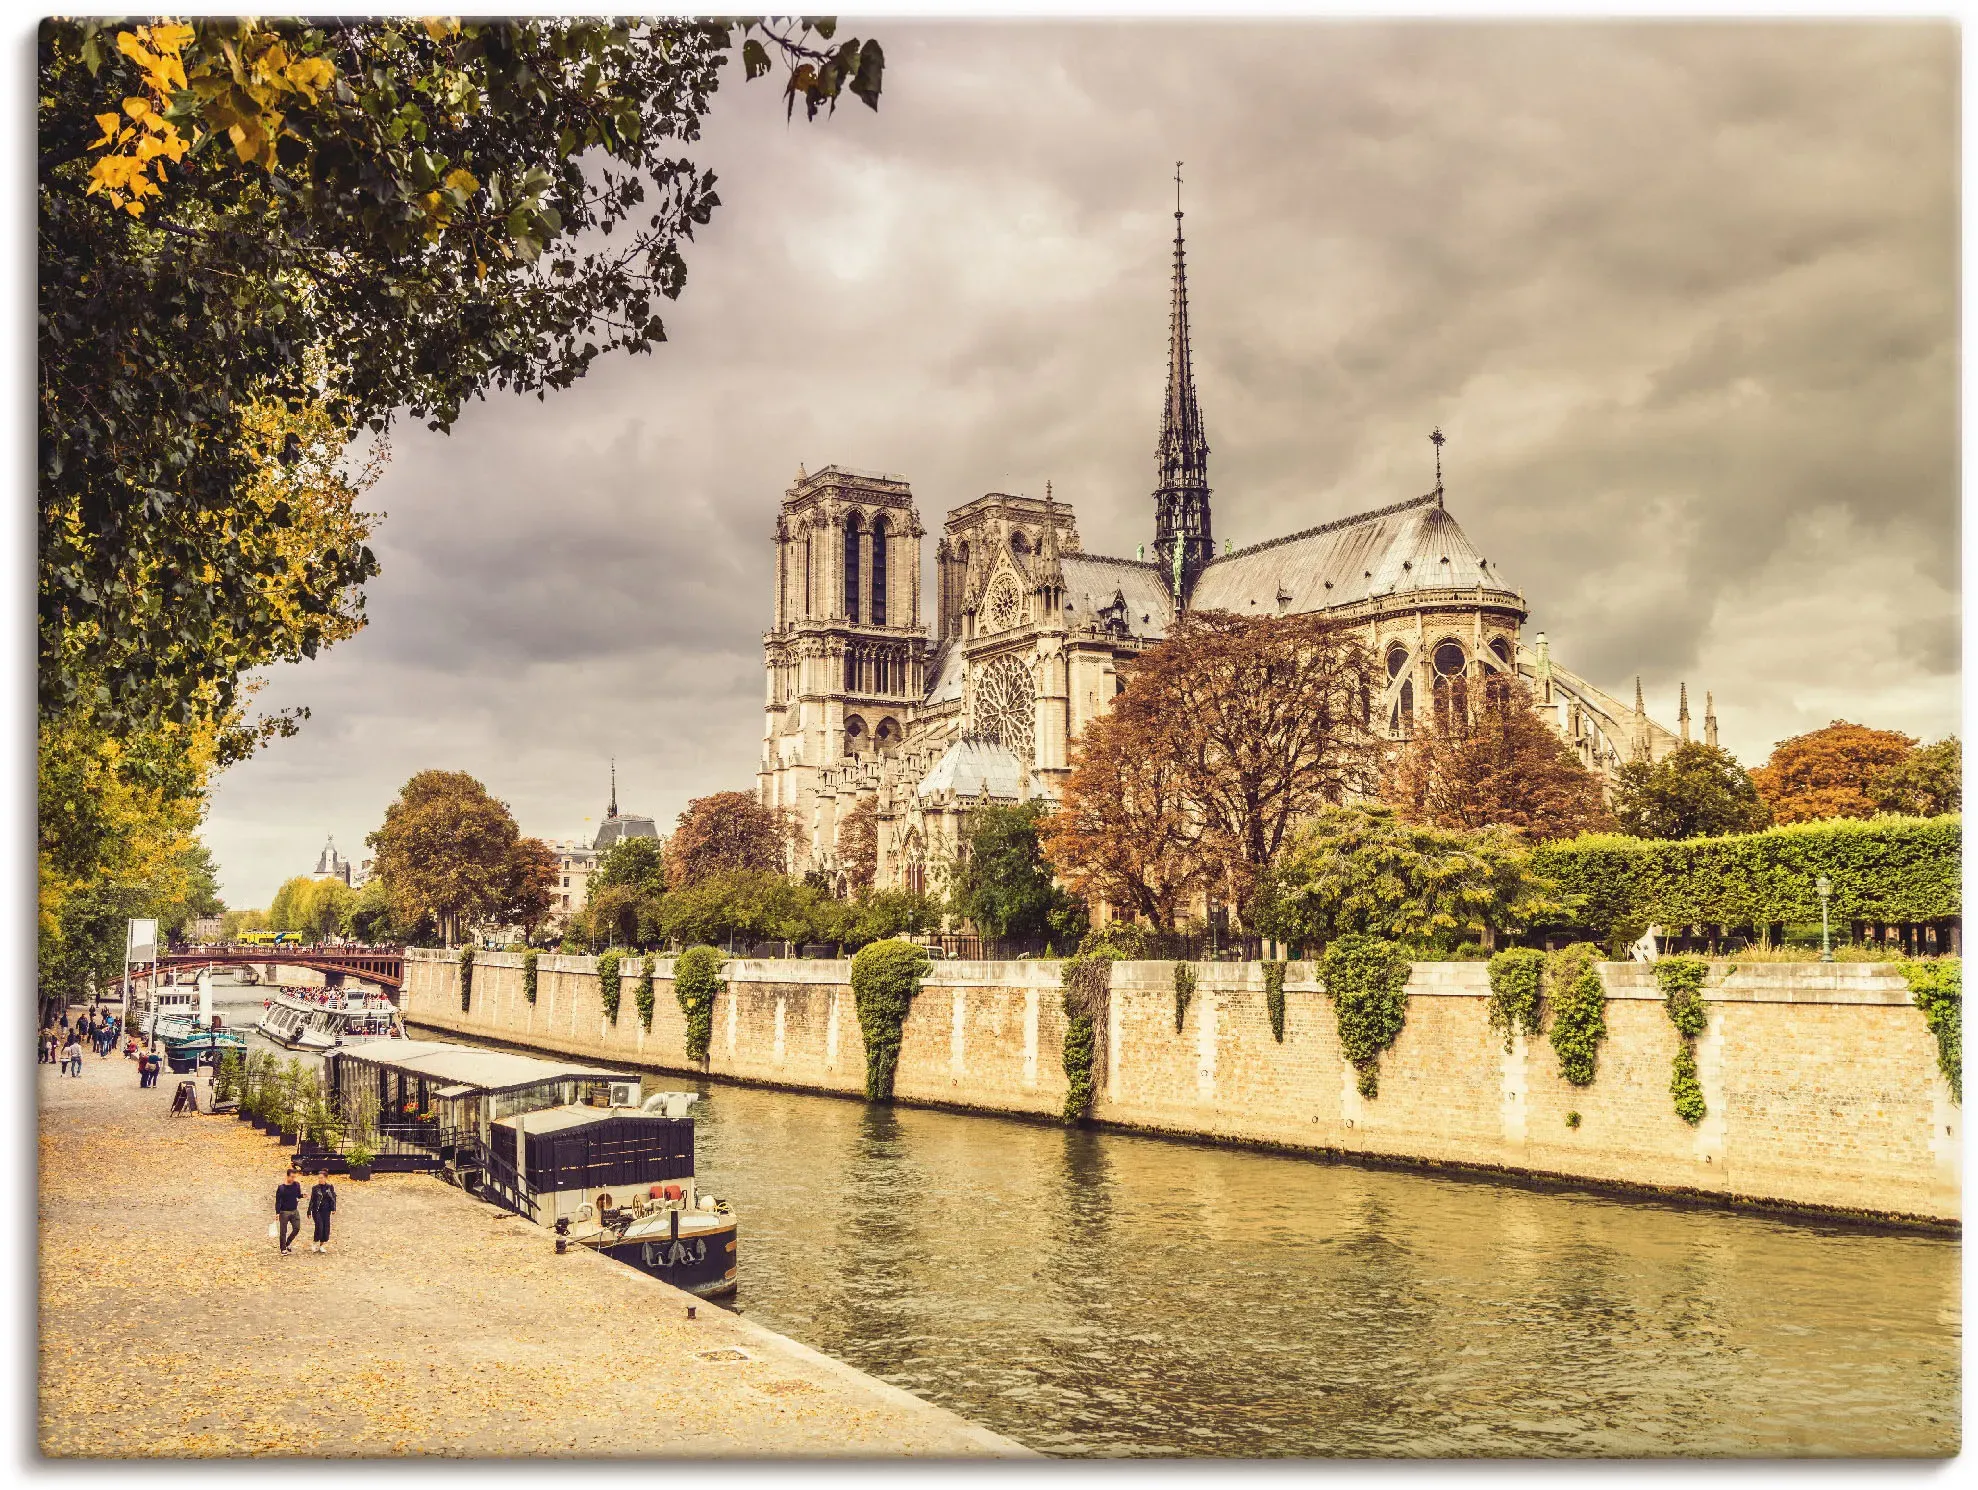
point(1228, 732)
point(531, 888)
point(727, 830)
point(1926, 783)
point(858, 845)
point(449, 851)
point(1695, 791)
point(1500, 767)
point(1001, 882)
point(1365, 870)
point(1124, 832)
point(1830, 772)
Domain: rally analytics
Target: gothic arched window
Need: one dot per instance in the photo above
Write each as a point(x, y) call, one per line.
point(854, 735)
point(1452, 694)
point(1397, 658)
point(1501, 649)
point(852, 534)
point(879, 536)
point(1019, 545)
point(1407, 708)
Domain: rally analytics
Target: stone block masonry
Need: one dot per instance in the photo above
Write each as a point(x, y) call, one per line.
point(1821, 1079)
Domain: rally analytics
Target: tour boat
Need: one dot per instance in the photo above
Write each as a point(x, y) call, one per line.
point(297, 1021)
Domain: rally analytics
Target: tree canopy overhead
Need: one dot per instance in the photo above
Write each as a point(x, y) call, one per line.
point(372, 214)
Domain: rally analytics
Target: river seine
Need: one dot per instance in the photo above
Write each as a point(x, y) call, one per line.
point(1105, 1294)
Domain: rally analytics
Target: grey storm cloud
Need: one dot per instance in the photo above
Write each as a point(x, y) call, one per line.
point(1683, 296)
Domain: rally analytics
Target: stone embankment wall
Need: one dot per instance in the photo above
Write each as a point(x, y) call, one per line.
point(1821, 1079)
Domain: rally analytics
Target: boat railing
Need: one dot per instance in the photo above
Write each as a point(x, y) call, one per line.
point(498, 1180)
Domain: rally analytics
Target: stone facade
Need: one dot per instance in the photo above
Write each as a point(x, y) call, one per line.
point(1821, 1080)
point(1030, 632)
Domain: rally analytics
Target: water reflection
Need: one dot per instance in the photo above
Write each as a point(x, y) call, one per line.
point(1106, 1294)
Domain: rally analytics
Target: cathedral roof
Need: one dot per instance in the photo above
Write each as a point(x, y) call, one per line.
point(1413, 545)
point(971, 766)
point(947, 686)
point(1091, 582)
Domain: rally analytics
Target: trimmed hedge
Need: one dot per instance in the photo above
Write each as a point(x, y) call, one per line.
point(466, 977)
point(529, 974)
point(642, 995)
point(1887, 869)
point(1577, 1001)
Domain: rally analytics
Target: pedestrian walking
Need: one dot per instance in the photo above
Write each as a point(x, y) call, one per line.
point(72, 1057)
point(288, 1196)
point(322, 1202)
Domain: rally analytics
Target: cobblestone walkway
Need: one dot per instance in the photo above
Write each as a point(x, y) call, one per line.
point(437, 1325)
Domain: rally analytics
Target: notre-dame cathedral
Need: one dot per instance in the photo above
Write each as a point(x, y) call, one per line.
point(1030, 631)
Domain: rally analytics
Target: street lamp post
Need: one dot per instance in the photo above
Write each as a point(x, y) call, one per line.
point(1824, 887)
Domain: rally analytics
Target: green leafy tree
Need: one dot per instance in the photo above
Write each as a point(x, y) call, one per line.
point(1001, 882)
point(622, 904)
point(1361, 870)
point(196, 894)
point(1928, 782)
point(1695, 791)
point(447, 852)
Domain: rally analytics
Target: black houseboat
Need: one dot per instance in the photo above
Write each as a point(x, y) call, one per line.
point(574, 1148)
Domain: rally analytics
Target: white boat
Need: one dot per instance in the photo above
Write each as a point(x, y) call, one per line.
point(312, 1021)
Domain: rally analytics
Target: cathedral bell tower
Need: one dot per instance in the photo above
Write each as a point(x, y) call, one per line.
point(1183, 540)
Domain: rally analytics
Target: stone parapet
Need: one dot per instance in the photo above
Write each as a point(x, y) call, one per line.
point(1821, 1079)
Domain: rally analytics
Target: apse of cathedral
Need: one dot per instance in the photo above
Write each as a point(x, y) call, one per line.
point(1029, 633)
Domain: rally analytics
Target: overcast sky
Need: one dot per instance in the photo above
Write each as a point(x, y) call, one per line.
point(1683, 297)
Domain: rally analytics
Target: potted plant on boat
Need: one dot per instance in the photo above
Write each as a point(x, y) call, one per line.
point(289, 1115)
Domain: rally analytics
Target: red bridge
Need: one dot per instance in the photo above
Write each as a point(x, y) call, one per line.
point(385, 965)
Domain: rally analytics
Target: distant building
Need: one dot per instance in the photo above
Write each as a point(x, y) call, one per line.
point(577, 860)
point(202, 929)
point(331, 865)
point(618, 824)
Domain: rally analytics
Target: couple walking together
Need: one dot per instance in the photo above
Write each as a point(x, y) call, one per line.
point(322, 1203)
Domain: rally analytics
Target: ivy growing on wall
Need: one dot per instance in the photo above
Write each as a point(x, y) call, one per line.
point(1274, 998)
point(1087, 983)
point(885, 977)
point(1516, 1004)
point(1576, 999)
point(1681, 982)
point(1937, 988)
point(608, 984)
point(642, 995)
point(466, 978)
point(696, 983)
point(529, 974)
point(1367, 981)
point(1184, 992)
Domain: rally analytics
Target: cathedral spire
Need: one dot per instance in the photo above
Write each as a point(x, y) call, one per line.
point(1710, 720)
point(612, 811)
point(1683, 711)
point(1181, 501)
point(1050, 574)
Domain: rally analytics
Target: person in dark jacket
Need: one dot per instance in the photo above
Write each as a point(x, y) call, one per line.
point(288, 1196)
point(322, 1201)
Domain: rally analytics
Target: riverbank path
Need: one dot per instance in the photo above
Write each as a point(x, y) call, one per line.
point(436, 1325)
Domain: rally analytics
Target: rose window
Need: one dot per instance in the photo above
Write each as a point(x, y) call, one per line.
point(1006, 706)
point(1003, 605)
